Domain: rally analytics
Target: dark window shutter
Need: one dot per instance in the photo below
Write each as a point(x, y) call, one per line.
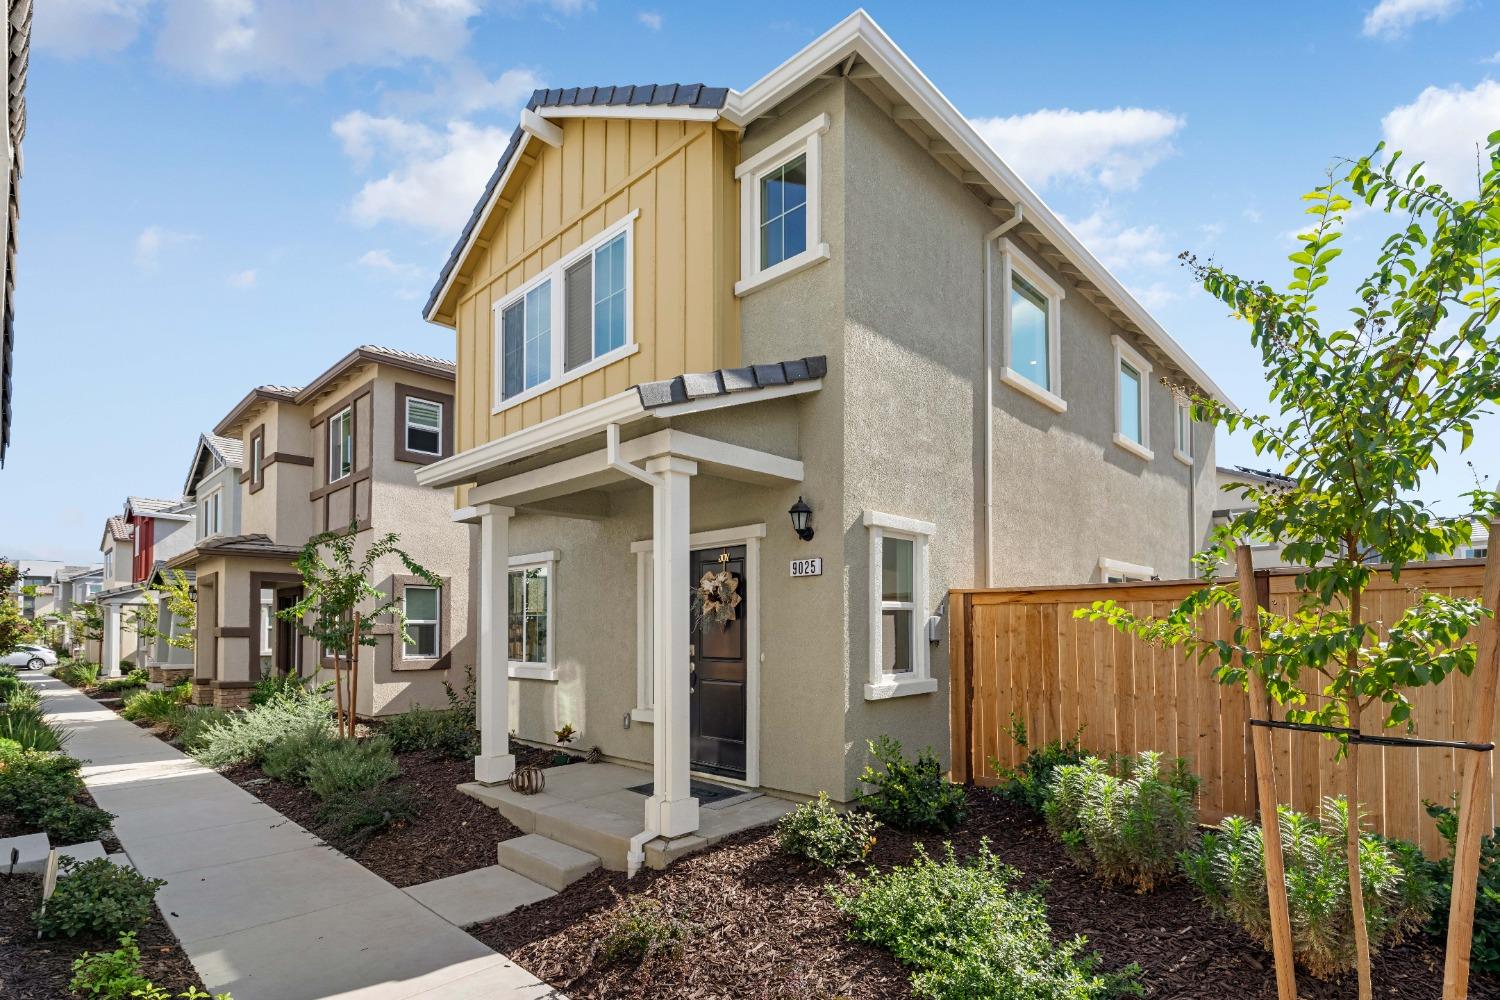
point(512, 347)
point(578, 321)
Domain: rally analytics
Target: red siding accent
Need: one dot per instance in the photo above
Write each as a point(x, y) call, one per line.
point(145, 542)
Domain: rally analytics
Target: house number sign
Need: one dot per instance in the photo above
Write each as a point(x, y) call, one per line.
point(807, 567)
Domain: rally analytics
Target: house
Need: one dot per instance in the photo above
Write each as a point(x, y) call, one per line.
point(747, 380)
point(1231, 482)
point(75, 585)
point(288, 463)
point(34, 584)
point(18, 50)
point(147, 532)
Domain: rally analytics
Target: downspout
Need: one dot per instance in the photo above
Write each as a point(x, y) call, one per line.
point(636, 855)
point(989, 392)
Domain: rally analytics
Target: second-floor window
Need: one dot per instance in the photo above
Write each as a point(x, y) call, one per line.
point(1132, 400)
point(211, 513)
point(257, 452)
point(424, 426)
point(780, 223)
point(1184, 445)
point(569, 320)
point(341, 444)
point(1030, 310)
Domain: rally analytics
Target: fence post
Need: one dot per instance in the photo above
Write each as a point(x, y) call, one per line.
point(960, 687)
point(1475, 783)
point(1265, 783)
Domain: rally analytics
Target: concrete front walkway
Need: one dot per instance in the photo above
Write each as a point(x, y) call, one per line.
point(264, 909)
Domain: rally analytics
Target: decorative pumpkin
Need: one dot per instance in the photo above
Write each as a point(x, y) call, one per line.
point(528, 779)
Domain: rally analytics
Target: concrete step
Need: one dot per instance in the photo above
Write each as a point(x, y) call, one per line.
point(479, 895)
point(546, 861)
point(82, 852)
point(31, 854)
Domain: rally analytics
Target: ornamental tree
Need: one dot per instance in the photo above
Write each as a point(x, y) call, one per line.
point(14, 628)
point(182, 605)
point(339, 601)
point(1364, 410)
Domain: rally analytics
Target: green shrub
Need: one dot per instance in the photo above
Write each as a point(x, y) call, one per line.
point(127, 664)
point(1228, 869)
point(1486, 948)
point(446, 731)
point(194, 722)
point(26, 725)
point(9, 685)
point(911, 795)
point(242, 737)
point(1030, 782)
point(97, 898)
point(125, 682)
point(150, 706)
point(6, 670)
point(350, 766)
point(643, 931)
point(78, 673)
point(288, 758)
point(819, 832)
point(966, 933)
point(268, 689)
point(116, 975)
point(25, 696)
point(41, 789)
point(351, 818)
point(1127, 821)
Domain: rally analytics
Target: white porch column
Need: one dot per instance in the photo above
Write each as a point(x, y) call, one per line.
point(672, 811)
point(495, 762)
point(109, 647)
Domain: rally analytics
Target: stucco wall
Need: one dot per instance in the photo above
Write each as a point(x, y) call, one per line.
point(226, 479)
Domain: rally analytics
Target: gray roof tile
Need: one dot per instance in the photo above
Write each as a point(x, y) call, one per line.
point(679, 95)
point(725, 381)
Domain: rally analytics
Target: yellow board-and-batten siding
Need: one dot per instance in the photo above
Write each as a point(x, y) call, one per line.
point(679, 177)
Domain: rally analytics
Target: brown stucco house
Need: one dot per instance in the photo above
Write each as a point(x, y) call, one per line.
point(812, 345)
point(337, 453)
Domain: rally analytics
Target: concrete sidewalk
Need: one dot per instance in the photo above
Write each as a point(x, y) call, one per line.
point(264, 909)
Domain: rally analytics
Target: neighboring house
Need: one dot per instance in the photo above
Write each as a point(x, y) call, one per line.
point(1231, 500)
point(690, 320)
point(340, 452)
point(18, 50)
point(75, 585)
point(34, 586)
point(135, 542)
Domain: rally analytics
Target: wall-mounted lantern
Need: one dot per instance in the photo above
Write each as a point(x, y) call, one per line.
point(801, 515)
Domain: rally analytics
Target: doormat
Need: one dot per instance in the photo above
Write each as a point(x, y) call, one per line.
point(703, 791)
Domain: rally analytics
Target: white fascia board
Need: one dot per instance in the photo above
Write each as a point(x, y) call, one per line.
point(535, 125)
point(484, 217)
point(858, 34)
point(654, 112)
point(622, 407)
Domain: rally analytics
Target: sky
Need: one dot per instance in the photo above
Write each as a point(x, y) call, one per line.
point(224, 193)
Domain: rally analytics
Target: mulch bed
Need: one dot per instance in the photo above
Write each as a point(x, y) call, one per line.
point(765, 928)
point(40, 970)
point(452, 834)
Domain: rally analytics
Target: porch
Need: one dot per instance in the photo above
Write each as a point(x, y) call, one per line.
point(596, 808)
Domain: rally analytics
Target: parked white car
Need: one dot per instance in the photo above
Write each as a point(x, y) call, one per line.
point(31, 657)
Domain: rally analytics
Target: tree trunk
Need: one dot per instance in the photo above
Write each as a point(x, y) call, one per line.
point(1356, 887)
point(338, 694)
point(353, 674)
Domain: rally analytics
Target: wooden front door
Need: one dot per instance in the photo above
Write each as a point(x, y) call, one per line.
point(717, 708)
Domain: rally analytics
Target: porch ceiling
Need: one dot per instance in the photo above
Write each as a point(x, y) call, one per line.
point(592, 471)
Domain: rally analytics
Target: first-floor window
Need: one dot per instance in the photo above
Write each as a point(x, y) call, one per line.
point(898, 605)
point(528, 603)
point(1116, 571)
point(422, 622)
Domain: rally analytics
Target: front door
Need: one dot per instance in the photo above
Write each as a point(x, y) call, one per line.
point(287, 646)
point(718, 678)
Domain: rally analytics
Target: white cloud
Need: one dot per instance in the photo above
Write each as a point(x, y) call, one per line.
point(1392, 19)
point(1442, 127)
point(1110, 148)
point(152, 241)
point(302, 41)
point(383, 262)
point(650, 19)
point(1121, 247)
point(435, 192)
point(1156, 294)
point(1494, 58)
point(74, 28)
point(363, 135)
point(243, 279)
point(1252, 214)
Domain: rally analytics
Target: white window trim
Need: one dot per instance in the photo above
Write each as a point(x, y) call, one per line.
point(1125, 353)
point(333, 423)
point(1131, 572)
point(1014, 261)
point(214, 501)
point(438, 622)
point(547, 671)
point(406, 444)
point(748, 535)
point(558, 335)
point(805, 139)
point(267, 628)
point(919, 679)
point(1184, 412)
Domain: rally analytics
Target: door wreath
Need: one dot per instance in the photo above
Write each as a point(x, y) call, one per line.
point(716, 599)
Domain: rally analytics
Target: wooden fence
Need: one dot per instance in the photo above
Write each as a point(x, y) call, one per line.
point(1020, 653)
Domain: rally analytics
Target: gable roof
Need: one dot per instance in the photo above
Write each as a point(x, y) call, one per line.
point(227, 451)
point(648, 95)
point(118, 529)
point(858, 49)
point(424, 364)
